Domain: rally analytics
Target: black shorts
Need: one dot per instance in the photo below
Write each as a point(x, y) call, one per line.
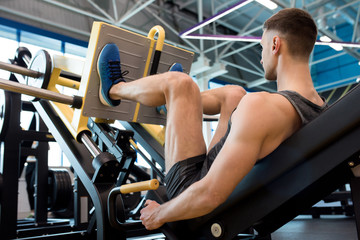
point(183, 174)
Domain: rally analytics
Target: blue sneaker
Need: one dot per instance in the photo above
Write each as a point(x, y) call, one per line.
point(176, 67)
point(109, 70)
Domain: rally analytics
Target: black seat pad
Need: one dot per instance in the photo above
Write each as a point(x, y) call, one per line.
point(300, 172)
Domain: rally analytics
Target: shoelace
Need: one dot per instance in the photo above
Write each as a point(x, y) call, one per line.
point(115, 70)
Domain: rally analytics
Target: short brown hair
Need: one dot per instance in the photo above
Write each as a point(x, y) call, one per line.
point(297, 27)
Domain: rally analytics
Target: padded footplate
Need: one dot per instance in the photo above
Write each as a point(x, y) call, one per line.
point(134, 50)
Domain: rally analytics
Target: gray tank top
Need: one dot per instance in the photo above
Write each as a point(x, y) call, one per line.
point(306, 109)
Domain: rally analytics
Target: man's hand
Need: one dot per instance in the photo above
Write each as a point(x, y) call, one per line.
point(149, 215)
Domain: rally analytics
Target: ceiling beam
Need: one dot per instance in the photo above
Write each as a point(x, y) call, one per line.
point(43, 21)
point(257, 83)
point(139, 6)
point(194, 48)
point(76, 10)
point(242, 68)
point(111, 19)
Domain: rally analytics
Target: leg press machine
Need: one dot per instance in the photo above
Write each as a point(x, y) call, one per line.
point(311, 164)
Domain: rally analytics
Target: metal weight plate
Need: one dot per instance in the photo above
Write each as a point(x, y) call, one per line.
point(22, 55)
point(42, 63)
point(5, 108)
point(60, 189)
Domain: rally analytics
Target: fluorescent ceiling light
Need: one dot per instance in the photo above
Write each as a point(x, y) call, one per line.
point(336, 46)
point(325, 39)
point(216, 17)
point(269, 4)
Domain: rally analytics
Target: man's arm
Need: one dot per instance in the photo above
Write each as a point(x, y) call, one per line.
point(255, 124)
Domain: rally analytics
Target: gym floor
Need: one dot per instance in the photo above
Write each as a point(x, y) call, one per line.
point(307, 228)
point(324, 228)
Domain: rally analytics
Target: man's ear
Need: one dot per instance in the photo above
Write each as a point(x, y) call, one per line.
point(276, 42)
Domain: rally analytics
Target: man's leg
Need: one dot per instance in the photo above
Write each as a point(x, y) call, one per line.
point(221, 100)
point(184, 138)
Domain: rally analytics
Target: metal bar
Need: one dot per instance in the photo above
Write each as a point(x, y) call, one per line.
point(175, 44)
point(101, 10)
point(214, 31)
point(68, 83)
point(132, 12)
point(340, 83)
point(235, 79)
point(356, 25)
point(251, 63)
point(79, 157)
point(257, 83)
point(41, 181)
point(346, 90)
point(90, 145)
point(240, 49)
point(185, 4)
point(331, 95)
point(241, 12)
point(242, 31)
point(315, 4)
point(336, 39)
point(195, 49)
point(115, 10)
point(281, 3)
point(35, 92)
point(179, 15)
point(26, 59)
point(224, 5)
point(336, 9)
point(21, 70)
point(226, 42)
point(151, 163)
point(215, 17)
point(328, 58)
point(23, 15)
point(355, 184)
point(216, 46)
point(242, 68)
point(201, 30)
point(293, 3)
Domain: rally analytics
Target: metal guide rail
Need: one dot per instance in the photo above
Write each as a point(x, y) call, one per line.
point(103, 157)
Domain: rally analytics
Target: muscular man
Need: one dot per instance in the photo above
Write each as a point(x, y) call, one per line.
point(198, 180)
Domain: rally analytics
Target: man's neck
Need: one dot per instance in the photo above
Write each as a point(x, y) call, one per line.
point(293, 75)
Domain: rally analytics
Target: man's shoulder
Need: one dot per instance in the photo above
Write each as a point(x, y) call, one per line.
point(267, 106)
point(264, 100)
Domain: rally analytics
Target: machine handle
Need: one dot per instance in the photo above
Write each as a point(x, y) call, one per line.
point(159, 46)
point(161, 36)
point(139, 186)
point(124, 189)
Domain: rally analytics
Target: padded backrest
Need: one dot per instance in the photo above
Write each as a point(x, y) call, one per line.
point(313, 159)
